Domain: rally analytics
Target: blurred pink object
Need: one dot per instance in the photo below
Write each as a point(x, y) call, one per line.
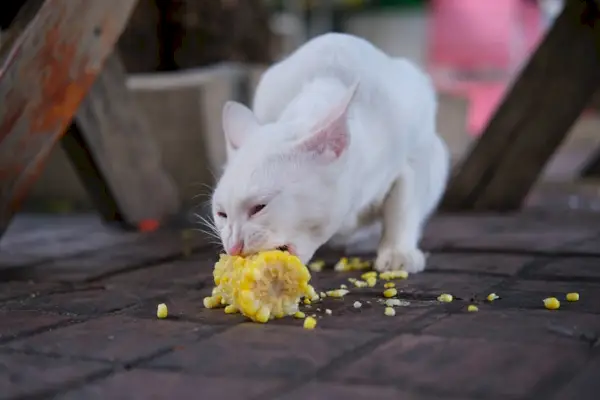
point(484, 38)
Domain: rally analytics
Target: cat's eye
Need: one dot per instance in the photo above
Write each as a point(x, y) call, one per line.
point(257, 208)
point(222, 214)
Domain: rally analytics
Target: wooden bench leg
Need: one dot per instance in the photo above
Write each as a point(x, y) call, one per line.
point(115, 155)
point(44, 76)
point(534, 118)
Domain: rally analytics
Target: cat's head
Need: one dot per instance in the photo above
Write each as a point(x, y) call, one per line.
point(278, 188)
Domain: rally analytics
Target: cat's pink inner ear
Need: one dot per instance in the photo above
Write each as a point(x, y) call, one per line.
point(330, 136)
point(238, 122)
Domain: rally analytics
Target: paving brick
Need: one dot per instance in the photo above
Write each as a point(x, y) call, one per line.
point(571, 268)
point(11, 290)
point(192, 272)
point(369, 317)
point(26, 375)
point(144, 384)
point(538, 240)
point(502, 264)
point(114, 338)
point(585, 386)
point(532, 326)
point(327, 391)
point(429, 285)
point(256, 350)
point(145, 249)
point(90, 302)
point(15, 323)
point(466, 367)
point(186, 305)
point(530, 294)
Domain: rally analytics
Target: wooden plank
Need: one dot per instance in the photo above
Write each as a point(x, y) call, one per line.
point(543, 103)
point(591, 169)
point(43, 79)
point(115, 155)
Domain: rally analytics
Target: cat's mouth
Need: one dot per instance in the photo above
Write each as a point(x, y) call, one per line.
point(287, 248)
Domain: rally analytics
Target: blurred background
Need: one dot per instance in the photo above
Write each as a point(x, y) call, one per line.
point(185, 58)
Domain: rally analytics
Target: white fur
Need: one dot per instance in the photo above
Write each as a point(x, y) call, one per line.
point(379, 163)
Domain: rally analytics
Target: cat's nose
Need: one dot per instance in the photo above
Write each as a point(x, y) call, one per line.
point(236, 249)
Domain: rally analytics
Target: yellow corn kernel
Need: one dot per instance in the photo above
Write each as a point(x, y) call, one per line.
point(210, 302)
point(390, 292)
point(316, 266)
point(552, 303)
point(299, 315)
point(357, 304)
point(263, 314)
point(322, 295)
point(310, 323)
point(370, 274)
point(162, 311)
point(572, 296)
point(389, 275)
point(393, 302)
point(445, 298)
point(360, 284)
point(342, 286)
point(389, 311)
point(327, 311)
point(306, 301)
point(389, 285)
point(492, 297)
point(342, 265)
point(231, 309)
point(371, 281)
point(337, 293)
point(472, 308)
point(352, 280)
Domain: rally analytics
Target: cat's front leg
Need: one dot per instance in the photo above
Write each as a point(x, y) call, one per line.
point(402, 222)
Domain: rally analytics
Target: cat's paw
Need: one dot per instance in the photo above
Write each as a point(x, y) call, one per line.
point(411, 261)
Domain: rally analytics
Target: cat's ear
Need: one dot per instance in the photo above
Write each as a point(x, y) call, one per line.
point(238, 122)
point(329, 138)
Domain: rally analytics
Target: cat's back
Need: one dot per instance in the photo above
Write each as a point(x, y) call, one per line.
point(342, 56)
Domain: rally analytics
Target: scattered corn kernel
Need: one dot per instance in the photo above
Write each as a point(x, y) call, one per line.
point(552, 303)
point(322, 295)
point(231, 309)
point(389, 275)
point(389, 311)
point(492, 297)
point(327, 311)
point(357, 304)
point(390, 292)
point(352, 280)
point(306, 301)
point(371, 281)
point(310, 323)
point(445, 298)
point(389, 285)
point(299, 315)
point(342, 265)
point(337, 293)
point(393, 302)
point(472, 308)
point(360, 284)
point(212, 301)
point(572, 296)
point(162, 311)
point(370, 274)
point(342, 286)
point(316, 266)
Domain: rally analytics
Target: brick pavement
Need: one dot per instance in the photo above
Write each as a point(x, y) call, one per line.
point(82, 325)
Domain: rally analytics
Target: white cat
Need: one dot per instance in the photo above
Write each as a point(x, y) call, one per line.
point(342, 138)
